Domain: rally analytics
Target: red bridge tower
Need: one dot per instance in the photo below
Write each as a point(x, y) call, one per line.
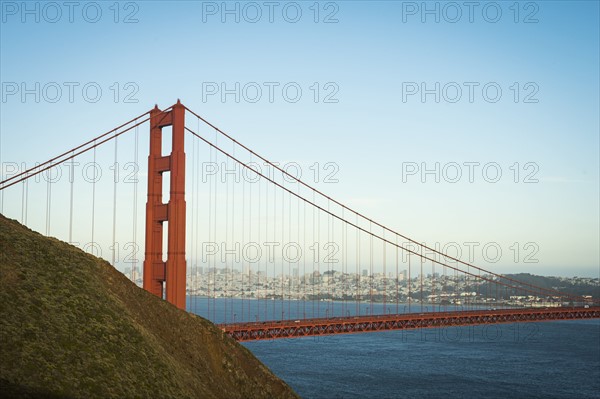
point(173, 271)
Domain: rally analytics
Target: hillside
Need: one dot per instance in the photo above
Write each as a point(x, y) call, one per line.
point(574, 286)
point(73, 326)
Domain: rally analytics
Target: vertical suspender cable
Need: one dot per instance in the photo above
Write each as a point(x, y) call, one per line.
point(468, 291)
point(214, 293)
point(26, 199)
point(233, 229)
point(384, 275)
point(226, 177)
point(48, 199)
point(397, 276)
point(330, 241)
point(290, 277)
point(432, 282)
point(478, 282)
point(192, 269)
point(344, 274)
point(135, 204)
point(190, 274)
point(444, 291)
point(258, 230)
point(71, 183)
point(94, 198)
point(421, 278)
point(282, 241)
point(114, 227)
point(298, 262)
point(305, 255)
point(210, 232)
point(23, 202)
point(358, 279)
point(409, 284)
point(198, 255)
point(318, 252)
point(282, 260)
point(250, 281)
point(274, 240)
point(242, 240)
point(315, 246)
point(266, 276)
point(371, 268)
point(456, 285)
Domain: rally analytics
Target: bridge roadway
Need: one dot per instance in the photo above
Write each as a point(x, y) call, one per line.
point(251, 331)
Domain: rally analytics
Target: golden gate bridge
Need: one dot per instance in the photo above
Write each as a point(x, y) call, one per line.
point(266, 207)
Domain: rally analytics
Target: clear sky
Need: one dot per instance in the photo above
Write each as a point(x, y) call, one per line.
point(509, 87)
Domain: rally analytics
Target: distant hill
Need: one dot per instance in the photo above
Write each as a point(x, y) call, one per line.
point(573, 286)
point(73, 326)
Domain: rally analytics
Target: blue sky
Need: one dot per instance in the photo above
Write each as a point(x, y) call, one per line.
point(373, 130)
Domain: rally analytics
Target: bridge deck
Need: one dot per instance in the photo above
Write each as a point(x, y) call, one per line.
point(252, 331)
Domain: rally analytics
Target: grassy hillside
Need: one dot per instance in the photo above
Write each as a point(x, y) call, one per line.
point(73, 326)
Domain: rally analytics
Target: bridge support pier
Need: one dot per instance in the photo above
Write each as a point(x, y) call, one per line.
point(166, 279)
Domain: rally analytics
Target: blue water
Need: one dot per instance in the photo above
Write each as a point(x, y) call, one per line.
point(221, 310)
point(525, 360)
